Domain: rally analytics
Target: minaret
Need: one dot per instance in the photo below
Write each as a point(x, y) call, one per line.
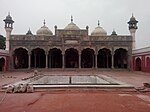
point(8, 27)
point(133, 27)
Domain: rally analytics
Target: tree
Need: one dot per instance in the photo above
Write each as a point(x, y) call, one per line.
point(2, 42)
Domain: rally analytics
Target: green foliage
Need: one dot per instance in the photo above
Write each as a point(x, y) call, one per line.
point(2, 42)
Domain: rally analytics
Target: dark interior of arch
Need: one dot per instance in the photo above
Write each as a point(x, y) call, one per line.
point(38, 58)
point(71, 58)
point(55, 58)
point(20, 58)
point(120, 58)
point(87, 58)
point(2, 63)
point(104, 58)
point(138, 64)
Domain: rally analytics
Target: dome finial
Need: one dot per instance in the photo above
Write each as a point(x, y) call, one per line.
point(98, 23)
point(9, 13)
point(132, 14)
point(44, 22)
point(114, 32)
point(71, 18)
point(29, 32)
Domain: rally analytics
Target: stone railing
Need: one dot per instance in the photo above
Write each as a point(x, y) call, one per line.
point(111, 38)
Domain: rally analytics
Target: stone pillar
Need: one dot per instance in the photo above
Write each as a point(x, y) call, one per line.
point(79, 60)
point(96, 60)
point(29, 60)
point(46, 60)
point(129, 61)
point(112, 60)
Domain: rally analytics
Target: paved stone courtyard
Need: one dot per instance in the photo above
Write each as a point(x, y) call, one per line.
point(78, 99)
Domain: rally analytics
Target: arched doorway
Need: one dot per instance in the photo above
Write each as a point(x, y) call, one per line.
point(2, 64)
point(87, 58)
point(71, 58)
point(138, 64)
point(38, 58)
point(55, 58)
point(120, 58)
point(104, 58)
point(20, 58)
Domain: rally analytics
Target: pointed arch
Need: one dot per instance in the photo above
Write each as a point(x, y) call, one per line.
point(87, 58)
point(138, 62)
point(2, 64)
point(55, 58)
point(71, 58)
point(120, 58)
point(38, 58)
point(104, 58)
point(20, 58)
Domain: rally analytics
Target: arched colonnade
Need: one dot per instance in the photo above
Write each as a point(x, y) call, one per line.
point(70, 58)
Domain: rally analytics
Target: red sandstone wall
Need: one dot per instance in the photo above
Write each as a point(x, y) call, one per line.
point(144, 66)
point(146, 69)
point(7, 64)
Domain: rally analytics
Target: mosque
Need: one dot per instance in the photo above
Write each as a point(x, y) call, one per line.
point(68, 48)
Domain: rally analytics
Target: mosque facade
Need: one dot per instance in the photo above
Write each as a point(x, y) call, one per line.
point(69, 48)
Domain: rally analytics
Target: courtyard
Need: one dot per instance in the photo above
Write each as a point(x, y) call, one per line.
point(81, 99)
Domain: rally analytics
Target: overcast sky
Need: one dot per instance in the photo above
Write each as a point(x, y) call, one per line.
point(112, 14)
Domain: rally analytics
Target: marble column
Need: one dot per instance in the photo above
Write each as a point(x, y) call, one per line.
point(112, 60)
point(96, 60)
point(29, 60)
point(129, 61)
point(79, 60)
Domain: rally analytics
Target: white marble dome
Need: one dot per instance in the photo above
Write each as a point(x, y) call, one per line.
point(44, 30)
point(72, 26)
point(99, 31)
